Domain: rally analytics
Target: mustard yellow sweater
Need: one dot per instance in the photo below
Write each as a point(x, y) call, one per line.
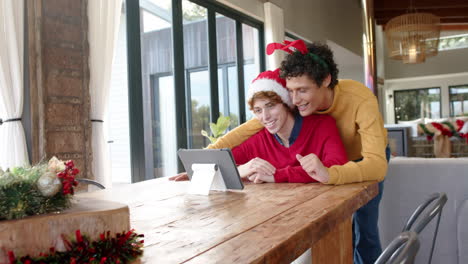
point(361, 128)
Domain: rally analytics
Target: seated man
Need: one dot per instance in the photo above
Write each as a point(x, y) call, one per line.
point(273, 154)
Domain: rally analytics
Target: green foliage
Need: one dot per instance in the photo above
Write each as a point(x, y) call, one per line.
point(200, 120)
point(123, 248)
point(218, 129)
point(20, 197)
point(414, 104)
point(193, 12)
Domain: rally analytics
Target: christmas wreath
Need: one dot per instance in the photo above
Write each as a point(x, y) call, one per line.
point(123, 248)
point(43, 188)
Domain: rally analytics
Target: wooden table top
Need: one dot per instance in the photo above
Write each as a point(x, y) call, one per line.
point(262, 223)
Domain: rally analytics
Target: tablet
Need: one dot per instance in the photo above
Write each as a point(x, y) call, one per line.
point(222, 157)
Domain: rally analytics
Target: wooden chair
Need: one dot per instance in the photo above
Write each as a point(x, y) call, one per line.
point(418, 221)
point(402, 250)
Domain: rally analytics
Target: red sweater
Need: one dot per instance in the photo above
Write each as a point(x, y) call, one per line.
point(318, 135)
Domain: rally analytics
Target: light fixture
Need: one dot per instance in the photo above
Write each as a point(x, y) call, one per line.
point(413, 36)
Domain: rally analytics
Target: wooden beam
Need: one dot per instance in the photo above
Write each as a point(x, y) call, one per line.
point(420, 4)
point(454, 27)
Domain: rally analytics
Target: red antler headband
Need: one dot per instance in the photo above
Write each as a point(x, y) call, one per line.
point(299, 45)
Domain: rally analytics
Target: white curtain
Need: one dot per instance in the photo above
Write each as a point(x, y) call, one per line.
point(13, 151)
point(104, 19)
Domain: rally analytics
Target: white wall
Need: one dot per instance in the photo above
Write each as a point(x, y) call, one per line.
point(314, 20)
point(252, 8)
point(350, 65)
point(443, 81)
point(322, 20)
point(380, 51)
point(446, 62)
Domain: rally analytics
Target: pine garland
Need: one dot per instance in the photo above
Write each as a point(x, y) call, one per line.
point(40, 189)
point(446, 128)
point(124, 248)
point(429, 134)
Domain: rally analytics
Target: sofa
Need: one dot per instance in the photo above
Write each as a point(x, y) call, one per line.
point(408, 183)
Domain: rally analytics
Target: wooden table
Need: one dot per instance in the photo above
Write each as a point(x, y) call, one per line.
point(264, 223)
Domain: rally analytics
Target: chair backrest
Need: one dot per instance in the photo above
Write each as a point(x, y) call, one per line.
point(88, 181)
point(401, 250)
point(418, 221)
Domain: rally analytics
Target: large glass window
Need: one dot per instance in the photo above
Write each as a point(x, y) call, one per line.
point(200, 107)
point(419, 103)
point(458, 100)
point(453, 42)
point(163, 125)
point(228, 89)
point(251, 54)
point(194, 59)
point(195, 19)
point(158, 87)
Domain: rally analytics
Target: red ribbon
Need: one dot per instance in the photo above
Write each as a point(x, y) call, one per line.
point(442, 129)
point(11, 257)
point(79, 238)
point(460, 124)
point(287, 46)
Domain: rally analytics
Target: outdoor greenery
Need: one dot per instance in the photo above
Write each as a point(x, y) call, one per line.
point(414, 104)
point(459, 100)
point(218, 129)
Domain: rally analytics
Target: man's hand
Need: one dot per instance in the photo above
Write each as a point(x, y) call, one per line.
point(314, 167)
point(180, 177)
point(261, 178)
point(256, 165)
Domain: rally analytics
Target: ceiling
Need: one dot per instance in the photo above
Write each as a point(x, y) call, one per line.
point(450, 11)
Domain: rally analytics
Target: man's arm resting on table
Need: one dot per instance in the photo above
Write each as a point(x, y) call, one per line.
point(183, 176)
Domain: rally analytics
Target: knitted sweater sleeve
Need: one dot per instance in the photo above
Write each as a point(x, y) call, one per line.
point(238, 135)
point(374, 163)
point(334, 152)
point(242, 153)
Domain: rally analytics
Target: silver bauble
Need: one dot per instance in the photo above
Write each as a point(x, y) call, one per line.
point(49, 184)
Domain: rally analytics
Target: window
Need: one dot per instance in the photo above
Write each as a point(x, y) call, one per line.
point(188, 62)
point(453, 42)
point(418, 103)
point(196, 54)
point(252, 60)
point(458, 100)
point(228, 89)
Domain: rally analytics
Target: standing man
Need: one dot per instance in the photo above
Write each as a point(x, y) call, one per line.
point(312, 80)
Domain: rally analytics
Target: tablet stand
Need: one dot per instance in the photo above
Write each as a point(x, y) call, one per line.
point(206, 177)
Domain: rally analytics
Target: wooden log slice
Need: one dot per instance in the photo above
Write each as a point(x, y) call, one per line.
point(36, 234)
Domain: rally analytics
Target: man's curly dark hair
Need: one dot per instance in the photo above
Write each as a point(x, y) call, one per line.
point(316, 67)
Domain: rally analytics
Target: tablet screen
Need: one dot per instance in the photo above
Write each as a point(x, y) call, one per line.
point(221, 157)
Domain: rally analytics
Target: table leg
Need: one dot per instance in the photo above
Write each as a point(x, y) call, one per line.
point(336, 246)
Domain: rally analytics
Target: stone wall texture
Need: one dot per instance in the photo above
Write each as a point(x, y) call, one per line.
point(59, 81)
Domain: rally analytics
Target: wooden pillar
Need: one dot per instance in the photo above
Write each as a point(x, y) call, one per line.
point(336, 246)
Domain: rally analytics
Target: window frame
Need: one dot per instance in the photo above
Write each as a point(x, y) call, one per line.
point(141, 168)
point(451, 107)
point(416, 89)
